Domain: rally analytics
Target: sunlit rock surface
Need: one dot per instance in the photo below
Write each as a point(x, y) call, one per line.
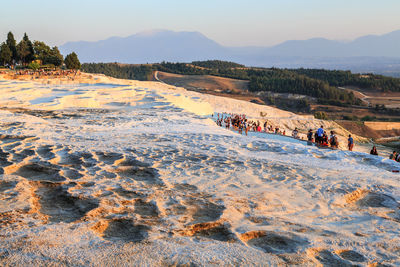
point(138, 173)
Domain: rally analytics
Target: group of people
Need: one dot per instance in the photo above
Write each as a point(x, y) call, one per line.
point(42, 73)
point(240, 123)
point(395, 156)
point(321, 139)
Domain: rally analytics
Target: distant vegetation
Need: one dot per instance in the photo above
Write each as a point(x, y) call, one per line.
point(295, 105)
point(190, 69)
point(132, 72)
point(320, 115)
point(31, 54)
point(217, 64)
point(72, 61)
point(346, 78)
point(285, 81)
point(316, 83)
point(370, 118)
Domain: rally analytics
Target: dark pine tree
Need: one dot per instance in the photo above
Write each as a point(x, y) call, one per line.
point(12, 44)
point(5, 55)
point(72, 61)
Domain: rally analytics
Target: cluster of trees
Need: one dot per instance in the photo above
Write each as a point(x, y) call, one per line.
point(27, 51)
point(47, 55)
point(334, 78)
point(145, 72)
point(181, 68)
point(370, 118)
point(133, 72)
point(217, 64)
point(284, 81)
point(295, 105)
point(192, 69)
point(72, 61)
point(346, 78)
point(381, 109)
point(264, 79)
point(321, 115)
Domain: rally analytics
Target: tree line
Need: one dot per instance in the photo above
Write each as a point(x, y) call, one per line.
point(217, 64)
point(285, 81)
point(34, 54)
point(334, 78)
point(268, 79)
point(346, 78)
point(120, 71)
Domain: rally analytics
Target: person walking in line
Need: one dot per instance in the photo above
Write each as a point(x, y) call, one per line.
point(246, 126)
point(350, 142)
point(374, 151)
point(393, 155)
point(310, 136)
point(325, 140)
point(295, 133)
point(333, 140)
point(319, 133)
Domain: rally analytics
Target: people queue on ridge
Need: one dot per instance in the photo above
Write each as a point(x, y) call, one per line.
point(240, 123)
point(395, 156)
point(42, 72)
point(321, 138)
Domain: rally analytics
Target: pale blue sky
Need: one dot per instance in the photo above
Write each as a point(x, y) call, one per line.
point(229, 22)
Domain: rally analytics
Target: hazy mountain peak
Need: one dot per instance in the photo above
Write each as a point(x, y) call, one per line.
point(158, 32)
point(166, 45)
point(152, 32)
point(149, 46)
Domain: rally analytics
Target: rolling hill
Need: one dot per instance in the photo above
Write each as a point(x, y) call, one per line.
point(372, 53)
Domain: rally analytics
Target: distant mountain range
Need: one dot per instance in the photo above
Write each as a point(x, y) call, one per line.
point(368, 53)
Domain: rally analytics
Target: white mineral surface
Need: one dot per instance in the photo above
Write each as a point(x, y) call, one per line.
point(137, 173)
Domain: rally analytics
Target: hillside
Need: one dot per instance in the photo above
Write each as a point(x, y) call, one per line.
point(160, 45)
point(209, 84)
point(377, 54)
point(373, 103)
point(153, 46)
point(317, 83)
point(238, 89)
